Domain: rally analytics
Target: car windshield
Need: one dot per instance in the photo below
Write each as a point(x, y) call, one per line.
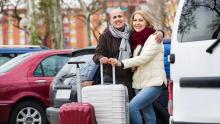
point(13, 62)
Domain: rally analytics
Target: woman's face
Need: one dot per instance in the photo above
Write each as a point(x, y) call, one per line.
point(138, 23)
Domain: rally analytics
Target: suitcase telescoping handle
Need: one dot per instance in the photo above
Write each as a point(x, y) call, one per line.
point(79, 92)
point(113, 74)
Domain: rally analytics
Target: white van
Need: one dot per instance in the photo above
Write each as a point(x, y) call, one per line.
point(194, 89)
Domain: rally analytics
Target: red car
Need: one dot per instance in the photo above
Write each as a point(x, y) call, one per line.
point(24, 85)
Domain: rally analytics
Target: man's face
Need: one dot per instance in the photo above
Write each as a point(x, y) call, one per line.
point(117, 19)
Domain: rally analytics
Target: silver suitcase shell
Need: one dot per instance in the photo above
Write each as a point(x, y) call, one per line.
point(110, 101)
point(53, 115)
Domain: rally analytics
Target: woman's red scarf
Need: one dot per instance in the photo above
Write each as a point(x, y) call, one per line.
point(140, 37)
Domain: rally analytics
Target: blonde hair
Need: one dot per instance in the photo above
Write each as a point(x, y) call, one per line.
point(145, 15)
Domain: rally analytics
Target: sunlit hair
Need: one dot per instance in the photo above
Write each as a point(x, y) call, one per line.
point(145, 15)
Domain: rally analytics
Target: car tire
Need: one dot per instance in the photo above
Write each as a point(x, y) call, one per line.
point(28, 112)
point(161, 114)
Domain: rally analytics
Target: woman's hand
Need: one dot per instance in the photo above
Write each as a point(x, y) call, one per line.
point(159, 36)
point(114, 62)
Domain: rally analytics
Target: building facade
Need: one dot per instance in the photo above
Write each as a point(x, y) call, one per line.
point(76, 27)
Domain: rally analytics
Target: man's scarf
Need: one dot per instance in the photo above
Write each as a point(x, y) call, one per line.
point(125, 49)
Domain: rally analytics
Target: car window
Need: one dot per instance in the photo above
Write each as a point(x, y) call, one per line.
point(86, 70)
point(199, 20)
point(14, 62)
point(50, 66)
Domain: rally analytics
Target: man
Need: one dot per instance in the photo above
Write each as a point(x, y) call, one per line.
point(114, 43)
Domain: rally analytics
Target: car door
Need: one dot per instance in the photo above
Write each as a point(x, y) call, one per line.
point(44, 73)
point(195, 63)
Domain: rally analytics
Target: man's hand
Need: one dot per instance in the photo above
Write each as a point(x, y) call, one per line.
point(104, 60)
point(114, 62)
point(159, 36)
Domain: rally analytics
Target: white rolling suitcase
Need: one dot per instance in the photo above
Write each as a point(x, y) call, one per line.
point(110, 101)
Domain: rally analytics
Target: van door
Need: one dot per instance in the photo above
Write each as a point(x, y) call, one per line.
point(196, 72)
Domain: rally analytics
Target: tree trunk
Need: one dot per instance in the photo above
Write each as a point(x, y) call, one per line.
point(89, 30)
point(32, 25)
point(56, 24)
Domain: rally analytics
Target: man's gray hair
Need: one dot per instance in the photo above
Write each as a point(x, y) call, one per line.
point(110, 10)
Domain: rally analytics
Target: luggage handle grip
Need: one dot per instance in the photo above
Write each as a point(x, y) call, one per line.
point(79, 90)
point(113, 74)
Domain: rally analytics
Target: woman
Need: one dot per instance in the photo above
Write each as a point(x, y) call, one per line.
point(148, 65)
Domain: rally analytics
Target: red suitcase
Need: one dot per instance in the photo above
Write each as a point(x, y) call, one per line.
point(77, 113)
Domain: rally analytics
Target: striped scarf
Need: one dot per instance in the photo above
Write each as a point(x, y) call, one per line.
point(125, 49)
